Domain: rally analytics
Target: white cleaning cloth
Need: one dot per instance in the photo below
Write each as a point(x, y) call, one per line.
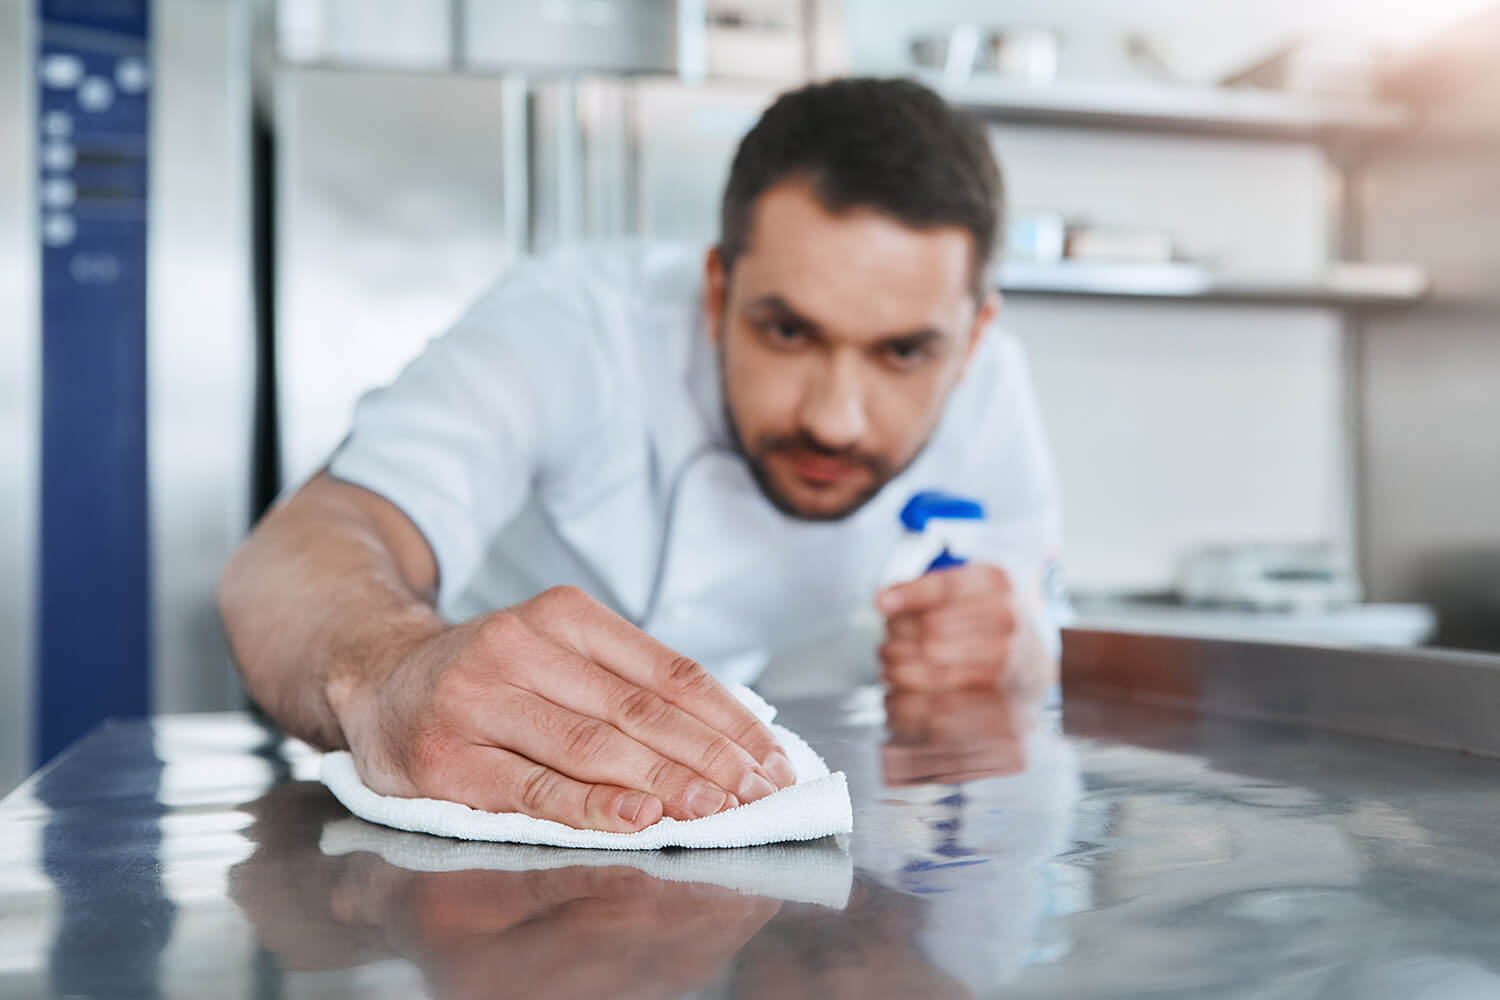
point(816, 806)
point(820, 872)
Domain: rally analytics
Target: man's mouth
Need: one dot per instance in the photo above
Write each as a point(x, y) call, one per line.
point(821, 470)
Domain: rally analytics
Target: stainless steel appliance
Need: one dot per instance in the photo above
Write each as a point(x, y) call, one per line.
point(1428, 398)
point(394, 209)
point(124, 236)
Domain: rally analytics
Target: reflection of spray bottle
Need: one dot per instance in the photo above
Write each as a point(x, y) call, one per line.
point(941, 530)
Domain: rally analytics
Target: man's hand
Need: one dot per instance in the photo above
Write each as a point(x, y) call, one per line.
point(962, 628)
point(559, 709)
point(555, 707)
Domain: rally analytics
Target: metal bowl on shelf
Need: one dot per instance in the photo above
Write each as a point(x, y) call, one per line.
point(1029, 54)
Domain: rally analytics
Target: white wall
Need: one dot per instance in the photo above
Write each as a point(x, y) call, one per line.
point(1177, 426)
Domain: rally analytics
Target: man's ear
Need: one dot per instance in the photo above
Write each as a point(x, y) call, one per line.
point(715, 291)
point(989, 308)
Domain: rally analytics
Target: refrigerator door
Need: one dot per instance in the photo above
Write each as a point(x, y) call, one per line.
point(400, 198)
point(686, 139)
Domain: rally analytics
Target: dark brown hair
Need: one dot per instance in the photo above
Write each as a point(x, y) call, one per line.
point(891, 145)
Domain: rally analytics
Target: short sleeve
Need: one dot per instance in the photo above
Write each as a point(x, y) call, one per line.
point(464, 434)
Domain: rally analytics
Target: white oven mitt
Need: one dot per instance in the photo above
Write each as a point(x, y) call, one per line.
point(816, 806)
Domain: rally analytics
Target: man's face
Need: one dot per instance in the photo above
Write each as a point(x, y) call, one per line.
point(840, 338)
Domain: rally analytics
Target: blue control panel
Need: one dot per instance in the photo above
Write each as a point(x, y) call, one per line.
point(94, 84)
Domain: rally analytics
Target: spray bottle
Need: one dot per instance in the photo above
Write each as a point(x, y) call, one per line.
point(941, 529)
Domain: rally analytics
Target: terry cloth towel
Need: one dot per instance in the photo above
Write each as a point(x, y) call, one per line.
point(819, 872)
point(816, 806)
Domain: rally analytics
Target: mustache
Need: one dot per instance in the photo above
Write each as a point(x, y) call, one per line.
point(804, 442)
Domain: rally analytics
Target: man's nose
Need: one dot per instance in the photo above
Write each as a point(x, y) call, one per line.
point(833, 410)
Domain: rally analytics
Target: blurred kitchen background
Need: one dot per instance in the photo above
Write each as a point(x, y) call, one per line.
point(1250, 255)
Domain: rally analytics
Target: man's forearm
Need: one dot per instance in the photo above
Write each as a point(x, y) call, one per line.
point(320, 599)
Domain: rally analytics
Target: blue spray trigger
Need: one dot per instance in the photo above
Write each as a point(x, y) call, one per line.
point(946, 560)
point(932, 504)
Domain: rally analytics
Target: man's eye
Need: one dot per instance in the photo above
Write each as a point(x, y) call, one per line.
point(785, 332)
point(906, 355)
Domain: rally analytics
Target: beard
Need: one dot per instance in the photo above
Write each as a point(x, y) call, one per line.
point(881, 469)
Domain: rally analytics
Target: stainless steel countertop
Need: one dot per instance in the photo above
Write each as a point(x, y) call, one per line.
point(1143, 851)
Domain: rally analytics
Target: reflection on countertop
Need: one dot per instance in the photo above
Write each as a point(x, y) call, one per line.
point(1114, 850)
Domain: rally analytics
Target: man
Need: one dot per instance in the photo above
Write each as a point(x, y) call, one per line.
point(626, 463)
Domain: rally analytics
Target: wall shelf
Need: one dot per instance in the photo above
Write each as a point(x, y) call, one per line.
point(1165, 108)
point(1340, 286)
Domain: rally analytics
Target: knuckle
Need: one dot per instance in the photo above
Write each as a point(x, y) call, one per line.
point(749, 733)
point(683, 675)
point(502, 631)
point(658, 773)
point(908, 675)
point(559, 600)
point(642, 709)
point(431, 760)
point(455, 687)
point(719, 750)
point(538, 790)
point(896, 652)
point(586, 740)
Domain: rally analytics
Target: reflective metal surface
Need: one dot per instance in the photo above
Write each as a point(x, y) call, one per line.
point(1145, 851)
point(20, 416)
point(201, 340)
point(1443, 699)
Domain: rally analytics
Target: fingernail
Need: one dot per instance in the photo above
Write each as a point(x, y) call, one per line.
point(629, 805)
point(755, 787)
point(780, 769)
point(704, 799)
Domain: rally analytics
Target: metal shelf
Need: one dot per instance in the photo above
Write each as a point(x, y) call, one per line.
point(1341, 286)
point(1171, 109)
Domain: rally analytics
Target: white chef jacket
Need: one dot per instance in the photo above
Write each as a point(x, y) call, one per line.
point(570, 430)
